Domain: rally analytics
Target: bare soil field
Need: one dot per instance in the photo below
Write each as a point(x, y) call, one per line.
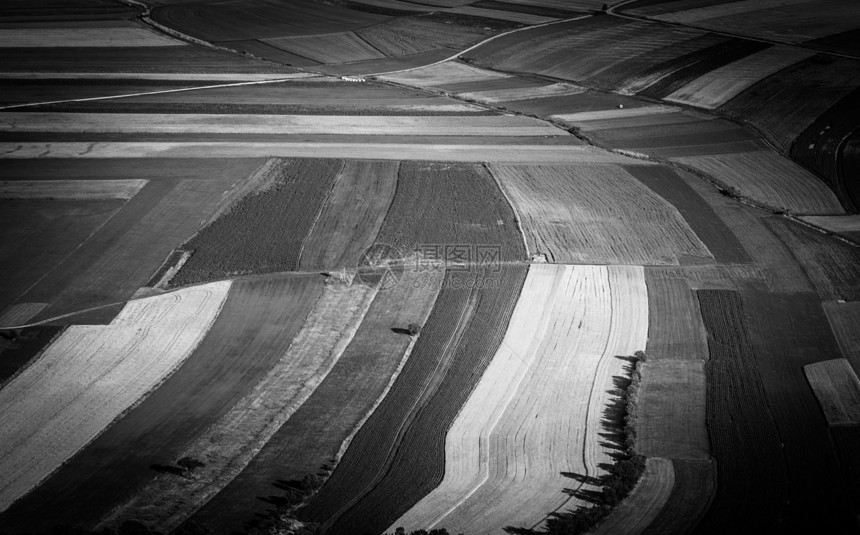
point(19, 313)
point(770, 179)
point(715, 88)
point(785, 104)
point(201, 124)
point(264, 231)
point(17, 353)
point(675, 331)
point(229, 444)
point(63, 10)
point(353, 213)
point(83, 37)
point(585, 101)
point(447, 73)
point(227, 21)
point(673, 186)
point(695, 485)
point(822, 148)
point(316, 432)
point(451, 211)
point(832, 266)
point(512, 16)
point(344, 47)
point(510, 447)
point(752, 482)
point(846, 439)
point(788, 332)
point(844, 318)
point(38, 235)
point(675, 135)
point(596, 214)
point(644, 504)
point(522, 92)
point(838, 390)
point(419, 462)
point(68, 396)
point(121, 255)
point(70, 190)
point(216, 169)
point(409, 35)
point(254, 329)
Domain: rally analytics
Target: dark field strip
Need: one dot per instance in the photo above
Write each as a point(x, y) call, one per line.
point(314, 433)
point(64, 10)
point(660, 136)
point(514, 82)
point(788, 102)
point(845, 42)
point(217, 169)
point(690, 66)
point(370, 108)
point(695, 484)
point(150, 59)
point(451, 204)
point(582, 102)
point(669, 5)
point(521, 39)
point(263, 232)
point(752, 483)
point(25, 345)
point(96, 316)
point(789, 331)
point(819, 148)
point(543, 11)
point(252, 332)
point(374, 447)
point(672, 147)
point(831, 265)
point(383, 65)
point(419, 464)
point(707, 225)
point(846, 442)
point(263, 50)
point(38, 235)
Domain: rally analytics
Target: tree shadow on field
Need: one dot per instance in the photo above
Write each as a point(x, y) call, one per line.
point(168, 469)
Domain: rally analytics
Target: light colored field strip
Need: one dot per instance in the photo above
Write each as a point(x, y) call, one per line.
point(448, 72)
point(281, 78)
point(620, 113)
point(538, 409)
point(525, 93)
point(19, 313)
point(638, 511)
point(844, 320)
point(182, 123)
point(383, 151)
point(835, 223)
point(84, 37)
point(70, 189)
point(229, 445)
point(771, 179)
point(90, 375)
point(838, 390)
point(227, 77)
point(718, 86)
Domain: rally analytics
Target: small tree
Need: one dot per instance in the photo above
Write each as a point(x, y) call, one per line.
point(413, 329)
point(189, 464)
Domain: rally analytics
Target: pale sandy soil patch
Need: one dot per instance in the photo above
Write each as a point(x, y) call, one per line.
point(229, 444)
point(76, 190)
point(718, 86)
point(89, 376)
point(508, 447)
point(616, 113)
point(83, 37)
point(838, 390)
point(836, 223)
point(449, 72)
point(523, 93)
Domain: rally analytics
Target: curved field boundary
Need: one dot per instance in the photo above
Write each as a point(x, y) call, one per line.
point(352, 215)
point(510, 445)
point(81, 190)
point(419, 464)
point(596, 214)
point(838, 390)
point(715, 88)
point(317, 431)
point(771, 179)
point(844, 319)
point(645, 502)
point(695, 484)
point(848, 225)
point(89, 376)
point(229, 444)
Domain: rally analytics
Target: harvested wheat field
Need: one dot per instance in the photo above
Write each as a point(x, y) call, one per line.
point(838, 390)
point(844, 317)
point(596, 214)
point(507, 449)
point(771, 179)
point(89, 376)
point(70, 189)
point(449, 72)
point(493, 96)
point(635, 514)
